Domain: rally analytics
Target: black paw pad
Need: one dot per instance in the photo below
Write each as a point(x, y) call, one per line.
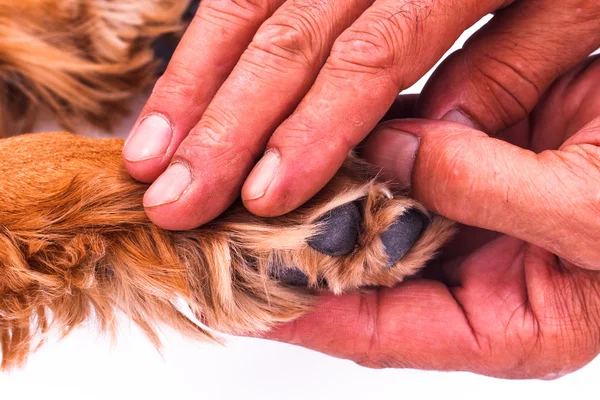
point(340, 231)
point(288, 275)
point(403, 234)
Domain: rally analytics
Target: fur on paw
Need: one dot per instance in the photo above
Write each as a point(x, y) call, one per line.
point(357, 235)
point(70, 252)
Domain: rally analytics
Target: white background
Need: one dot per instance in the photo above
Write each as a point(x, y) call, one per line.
point(85, 366)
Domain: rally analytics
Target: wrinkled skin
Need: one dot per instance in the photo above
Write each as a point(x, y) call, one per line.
point(522, 303)
point(303, 81)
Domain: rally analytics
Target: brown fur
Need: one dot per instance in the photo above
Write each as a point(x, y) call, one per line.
point(83, 60)
point(76, 244)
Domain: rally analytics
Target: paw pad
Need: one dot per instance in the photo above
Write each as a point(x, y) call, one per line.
point(340, 231)
point(361, 244)
point(403, 234)
point(289, 276)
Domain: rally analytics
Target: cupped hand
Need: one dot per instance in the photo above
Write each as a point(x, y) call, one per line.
point(297, 83)
point(517, 294)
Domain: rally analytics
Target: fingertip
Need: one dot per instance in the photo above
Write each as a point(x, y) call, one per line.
point(163, 217)
point(164, 201)
point(177, 215)
point(262, 176)
point(265, 207)
point(145, 152)
point(281, 197)
point(264, 192)
point(145, 171)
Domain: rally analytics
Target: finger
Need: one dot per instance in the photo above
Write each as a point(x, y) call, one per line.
point(547, 199)
point(501, 72)
point(271, 77)
point(505, 318)
point(366, 328)
point(207, 52)
point(418, 324)
point(565, 109)
point(388, 48)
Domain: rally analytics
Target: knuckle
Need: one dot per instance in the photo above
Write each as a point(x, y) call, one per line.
point(217, 127)
point(285, 42)
point(215, 137)
point(302, 139)
point(173, 85)
point(232, 12)
point(378, 41)
point(363, 50)
point(179, 84)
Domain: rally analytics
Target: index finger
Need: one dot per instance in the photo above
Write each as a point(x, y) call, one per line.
point(382, 53)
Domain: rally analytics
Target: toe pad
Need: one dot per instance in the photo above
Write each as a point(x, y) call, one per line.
point(402, 234)
point(340, 231)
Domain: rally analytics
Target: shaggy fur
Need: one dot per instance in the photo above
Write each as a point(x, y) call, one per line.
point(75, 243)
point(82, 60)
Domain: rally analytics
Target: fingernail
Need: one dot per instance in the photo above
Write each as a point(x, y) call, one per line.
point(169, 187)
point(150, 139)
point(460, 117)
point(261, 176)
point(395, 152)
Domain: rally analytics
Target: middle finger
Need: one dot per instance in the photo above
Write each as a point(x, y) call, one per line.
point(270, 79)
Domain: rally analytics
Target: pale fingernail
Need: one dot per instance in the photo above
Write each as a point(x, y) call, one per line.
point(261, 176)
point(169, 187)
point(460, 117)
point(150, 139)
point(395, 152)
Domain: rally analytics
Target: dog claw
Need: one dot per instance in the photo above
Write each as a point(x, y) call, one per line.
point(403, 234)
point(340, 233)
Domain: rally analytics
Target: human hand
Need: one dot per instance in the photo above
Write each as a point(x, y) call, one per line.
point(307, 80)
point(522, 303)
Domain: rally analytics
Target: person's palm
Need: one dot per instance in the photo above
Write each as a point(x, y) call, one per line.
point(491, 304)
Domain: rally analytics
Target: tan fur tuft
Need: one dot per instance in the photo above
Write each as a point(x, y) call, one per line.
point(80, 59)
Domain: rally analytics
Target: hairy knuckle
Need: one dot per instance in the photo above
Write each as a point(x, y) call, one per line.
point(363, 50)
point(378, 41)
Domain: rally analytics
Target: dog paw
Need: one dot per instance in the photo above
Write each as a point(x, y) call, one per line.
point(364, 238)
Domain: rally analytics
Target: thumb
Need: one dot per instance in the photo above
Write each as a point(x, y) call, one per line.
point(548, 199)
